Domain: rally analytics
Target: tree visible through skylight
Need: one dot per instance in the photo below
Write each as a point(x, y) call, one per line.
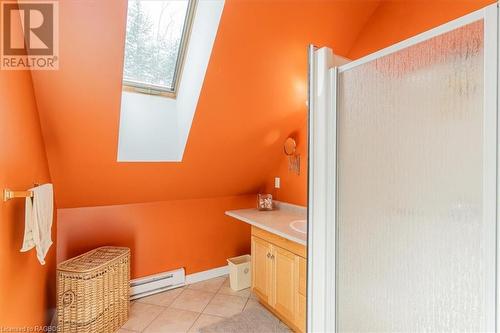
point(153, 49)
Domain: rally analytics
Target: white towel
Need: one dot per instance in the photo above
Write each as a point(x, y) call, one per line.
point(38, 221)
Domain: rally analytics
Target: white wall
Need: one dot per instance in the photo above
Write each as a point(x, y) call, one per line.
point(156, 128)
point(148, 128)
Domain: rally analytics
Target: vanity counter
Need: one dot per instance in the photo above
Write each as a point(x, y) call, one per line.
point(276, 221)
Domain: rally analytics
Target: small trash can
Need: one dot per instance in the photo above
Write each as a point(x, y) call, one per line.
point(239, 272)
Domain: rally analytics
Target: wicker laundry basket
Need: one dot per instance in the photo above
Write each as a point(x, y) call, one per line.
point(93, 291)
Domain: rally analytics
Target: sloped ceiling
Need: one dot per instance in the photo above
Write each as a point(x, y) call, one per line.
point(253, 97)
point(395, 20)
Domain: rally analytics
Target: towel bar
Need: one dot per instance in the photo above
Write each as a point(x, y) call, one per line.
point(9, 194)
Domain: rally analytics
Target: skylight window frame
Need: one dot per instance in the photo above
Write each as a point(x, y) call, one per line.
point(153, 89)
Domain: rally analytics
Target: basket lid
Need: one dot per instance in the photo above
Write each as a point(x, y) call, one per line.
point(93, 259)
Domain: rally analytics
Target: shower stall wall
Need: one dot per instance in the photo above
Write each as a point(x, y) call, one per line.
point(403, 184)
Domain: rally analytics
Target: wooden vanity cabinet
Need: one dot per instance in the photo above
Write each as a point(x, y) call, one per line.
point(285, 281)
point(279, 276)
point(261, 268)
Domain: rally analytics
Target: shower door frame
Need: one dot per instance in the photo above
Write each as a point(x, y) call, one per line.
point(321, 301)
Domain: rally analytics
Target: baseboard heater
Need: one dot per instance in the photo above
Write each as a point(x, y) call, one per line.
point(157, 283)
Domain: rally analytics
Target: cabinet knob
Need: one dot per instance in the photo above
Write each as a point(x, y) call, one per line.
point(269, 255)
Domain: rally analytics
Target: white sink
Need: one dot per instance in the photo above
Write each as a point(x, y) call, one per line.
point(299, 226)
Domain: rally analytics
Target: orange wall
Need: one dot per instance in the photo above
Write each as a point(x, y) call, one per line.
point(293, 187)
point(253, 97)
point(391, 22)
point(394, 21)
point(162, 236)
point(27, 289)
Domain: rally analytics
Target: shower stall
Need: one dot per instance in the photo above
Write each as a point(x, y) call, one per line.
point(404, 184)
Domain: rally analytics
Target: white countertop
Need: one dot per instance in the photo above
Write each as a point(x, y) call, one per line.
point(276, 221)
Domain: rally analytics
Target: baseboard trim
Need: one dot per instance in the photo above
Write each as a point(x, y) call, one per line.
point(189, 279)
point(156, 283)
point(207, 275)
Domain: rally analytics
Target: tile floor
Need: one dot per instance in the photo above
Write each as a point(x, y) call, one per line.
point(188, 308)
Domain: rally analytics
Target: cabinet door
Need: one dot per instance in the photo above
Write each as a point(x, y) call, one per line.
point(300, 320)
point(261, 268)
point(285, 282)
point(302, 275)
point(300, 312)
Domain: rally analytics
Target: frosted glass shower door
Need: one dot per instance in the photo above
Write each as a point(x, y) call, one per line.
point(416, 189)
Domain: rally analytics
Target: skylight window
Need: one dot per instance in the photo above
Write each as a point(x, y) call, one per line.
point(157, 36)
